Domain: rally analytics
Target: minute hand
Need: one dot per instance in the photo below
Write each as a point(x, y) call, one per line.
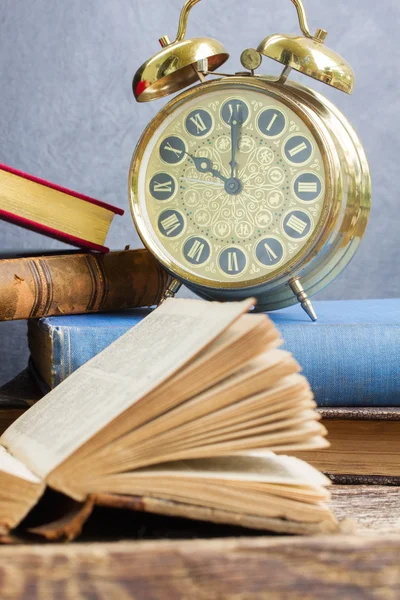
point(235, 126)
point(204, 165)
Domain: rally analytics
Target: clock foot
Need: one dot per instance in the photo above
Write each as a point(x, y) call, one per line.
point(302, 297)
point(172, 289)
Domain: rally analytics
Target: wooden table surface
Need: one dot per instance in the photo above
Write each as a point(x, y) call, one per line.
point(363, 562)
point(146, 557)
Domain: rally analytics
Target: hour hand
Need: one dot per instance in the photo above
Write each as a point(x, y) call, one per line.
point(204, 165)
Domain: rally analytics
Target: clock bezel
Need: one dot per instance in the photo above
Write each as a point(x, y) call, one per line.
point(331, 200)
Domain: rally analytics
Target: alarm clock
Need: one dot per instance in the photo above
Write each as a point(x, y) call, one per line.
point(247, 184)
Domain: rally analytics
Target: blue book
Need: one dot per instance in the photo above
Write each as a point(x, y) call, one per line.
point(351, 355)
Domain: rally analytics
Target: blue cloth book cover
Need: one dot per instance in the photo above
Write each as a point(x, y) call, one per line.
point(351, 355)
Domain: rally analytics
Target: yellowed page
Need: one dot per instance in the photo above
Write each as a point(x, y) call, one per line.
point(115, 379)
point(54, 208)
point(12, 466)
point(254, 466)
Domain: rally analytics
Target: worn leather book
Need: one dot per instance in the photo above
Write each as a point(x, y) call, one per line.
point(191, 413)
point(54, 211)
point(364, 446)
point(79, 283)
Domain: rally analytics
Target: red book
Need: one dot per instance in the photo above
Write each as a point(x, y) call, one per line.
point(54, 211)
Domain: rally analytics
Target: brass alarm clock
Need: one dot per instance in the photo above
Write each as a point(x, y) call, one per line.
point(248, 185)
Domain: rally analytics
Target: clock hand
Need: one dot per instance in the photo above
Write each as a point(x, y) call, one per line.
point(236, 124)
point(203, 165)
point(193, 180)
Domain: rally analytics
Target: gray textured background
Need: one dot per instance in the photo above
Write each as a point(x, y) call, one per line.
point(67, 112)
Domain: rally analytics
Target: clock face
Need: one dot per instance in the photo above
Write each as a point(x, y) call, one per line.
point(231, 187)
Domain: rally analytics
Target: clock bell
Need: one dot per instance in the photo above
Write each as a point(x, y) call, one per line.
point(183, 62)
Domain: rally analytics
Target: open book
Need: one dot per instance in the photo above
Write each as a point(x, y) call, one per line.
point(190, 413)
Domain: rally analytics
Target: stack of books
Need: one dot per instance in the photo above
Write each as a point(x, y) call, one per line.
point(190, 413)
point(137, 411)
point(40, 283)
point(43, 283)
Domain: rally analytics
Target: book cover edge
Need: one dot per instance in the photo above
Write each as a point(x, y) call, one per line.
point(59, 188)
point(51, 232)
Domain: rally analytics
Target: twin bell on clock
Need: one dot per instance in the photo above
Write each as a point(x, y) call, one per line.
point(247, 184)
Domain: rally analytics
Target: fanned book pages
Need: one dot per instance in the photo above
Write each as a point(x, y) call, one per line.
point(190, 413)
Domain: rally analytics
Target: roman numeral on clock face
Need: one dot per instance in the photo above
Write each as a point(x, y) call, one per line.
point(272, 121)
point(234, 110)
point(298, 149)
point(296, 224)
point(308, 187)
point(198, 123)
point(162, 187)
point(176, 151)
point(303, 187)
point(196, 250)
point(270, 253)
point(233, 262)
point(172, 149)
point(171, 223)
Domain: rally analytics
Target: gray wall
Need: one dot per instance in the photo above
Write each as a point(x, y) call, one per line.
point(67, 112)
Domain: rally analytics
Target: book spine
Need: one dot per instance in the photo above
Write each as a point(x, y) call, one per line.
point(79, 283)
point(59, 350)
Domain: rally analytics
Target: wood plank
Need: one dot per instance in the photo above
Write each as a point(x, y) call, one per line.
point(359, 566)
point(366, 509)
point(372, 507)
point(274, 567)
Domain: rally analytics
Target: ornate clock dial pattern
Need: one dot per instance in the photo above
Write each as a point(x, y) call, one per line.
point(233, 185)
